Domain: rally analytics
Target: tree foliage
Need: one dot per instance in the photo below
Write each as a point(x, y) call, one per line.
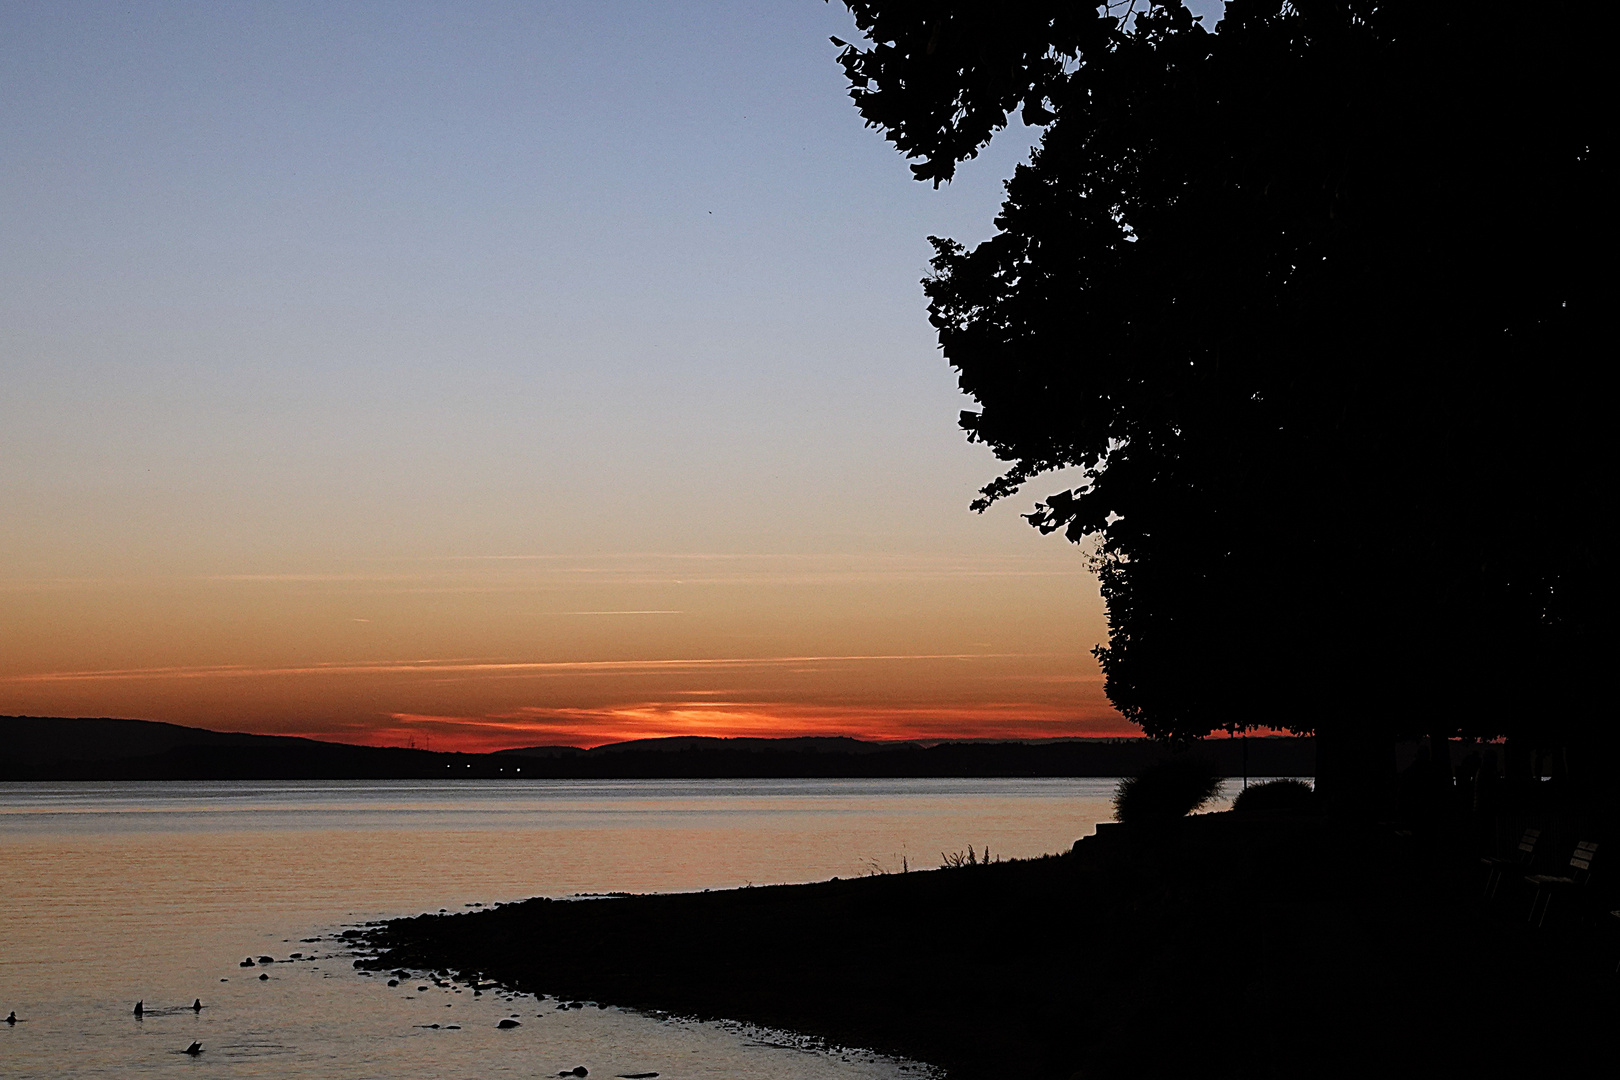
point(1315, 302)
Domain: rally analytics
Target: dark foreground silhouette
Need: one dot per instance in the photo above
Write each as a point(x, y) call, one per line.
point(1264, 944)
point(1308, 296)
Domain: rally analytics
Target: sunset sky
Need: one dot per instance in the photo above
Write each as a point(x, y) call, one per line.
point(494, 375)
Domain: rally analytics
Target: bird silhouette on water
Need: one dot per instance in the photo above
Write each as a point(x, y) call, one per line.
point(140, 1007)
point(11, 1017)
point(196, 1006)
point(194, 1049)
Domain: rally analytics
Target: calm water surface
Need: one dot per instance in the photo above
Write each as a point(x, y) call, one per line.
point(113, 893)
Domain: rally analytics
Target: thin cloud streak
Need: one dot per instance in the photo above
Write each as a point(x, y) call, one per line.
point(549, 578)
point(234, 671)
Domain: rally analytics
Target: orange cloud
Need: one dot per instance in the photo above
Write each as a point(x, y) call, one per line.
point(507, 651)
point(543, 726)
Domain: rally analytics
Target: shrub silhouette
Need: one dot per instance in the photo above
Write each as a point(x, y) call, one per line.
point(1168, 790)
point(1276, 795)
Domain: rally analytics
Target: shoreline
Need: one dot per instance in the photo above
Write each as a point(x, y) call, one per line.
point(1223, 944)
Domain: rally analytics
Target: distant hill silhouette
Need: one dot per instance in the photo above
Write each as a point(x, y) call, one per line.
point(809, 744)
point(53, 748)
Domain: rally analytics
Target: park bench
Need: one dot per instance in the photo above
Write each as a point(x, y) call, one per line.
point(1519, 861)
point(1580, 872)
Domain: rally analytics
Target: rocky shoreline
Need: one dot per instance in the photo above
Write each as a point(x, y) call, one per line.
point(1226, 944)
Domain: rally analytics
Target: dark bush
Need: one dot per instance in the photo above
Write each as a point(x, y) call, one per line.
point(1171, 789)
point(1276, 795)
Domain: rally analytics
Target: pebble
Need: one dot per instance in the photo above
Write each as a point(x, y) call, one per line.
point(504, 1024)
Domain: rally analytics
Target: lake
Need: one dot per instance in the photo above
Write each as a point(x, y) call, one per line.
point(114, 893)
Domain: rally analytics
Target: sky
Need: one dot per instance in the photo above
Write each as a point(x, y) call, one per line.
point(496, 374)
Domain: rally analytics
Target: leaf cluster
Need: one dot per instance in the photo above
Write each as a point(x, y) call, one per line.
point(939, 79)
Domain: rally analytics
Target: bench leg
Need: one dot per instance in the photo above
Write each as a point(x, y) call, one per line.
point(1544, 899)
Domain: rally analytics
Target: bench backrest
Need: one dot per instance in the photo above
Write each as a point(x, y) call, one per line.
point(1581, 861)
point(1527, 843)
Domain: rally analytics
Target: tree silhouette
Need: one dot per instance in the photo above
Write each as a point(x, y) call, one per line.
point(1314, 301)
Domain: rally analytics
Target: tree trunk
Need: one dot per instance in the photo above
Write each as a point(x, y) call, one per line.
point(1355, 765)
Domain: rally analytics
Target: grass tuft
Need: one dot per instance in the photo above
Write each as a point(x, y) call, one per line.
point(1170, 789)
point(959, 859)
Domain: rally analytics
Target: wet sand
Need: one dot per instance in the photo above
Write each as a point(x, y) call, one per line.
point(1219, 945)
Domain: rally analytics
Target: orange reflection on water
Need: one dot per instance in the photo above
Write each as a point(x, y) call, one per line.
point(115, 893)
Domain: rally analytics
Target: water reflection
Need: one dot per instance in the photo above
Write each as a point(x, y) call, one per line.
point(114, 893)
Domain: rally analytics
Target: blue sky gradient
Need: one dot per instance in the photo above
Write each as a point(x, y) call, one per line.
point(307, 292)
